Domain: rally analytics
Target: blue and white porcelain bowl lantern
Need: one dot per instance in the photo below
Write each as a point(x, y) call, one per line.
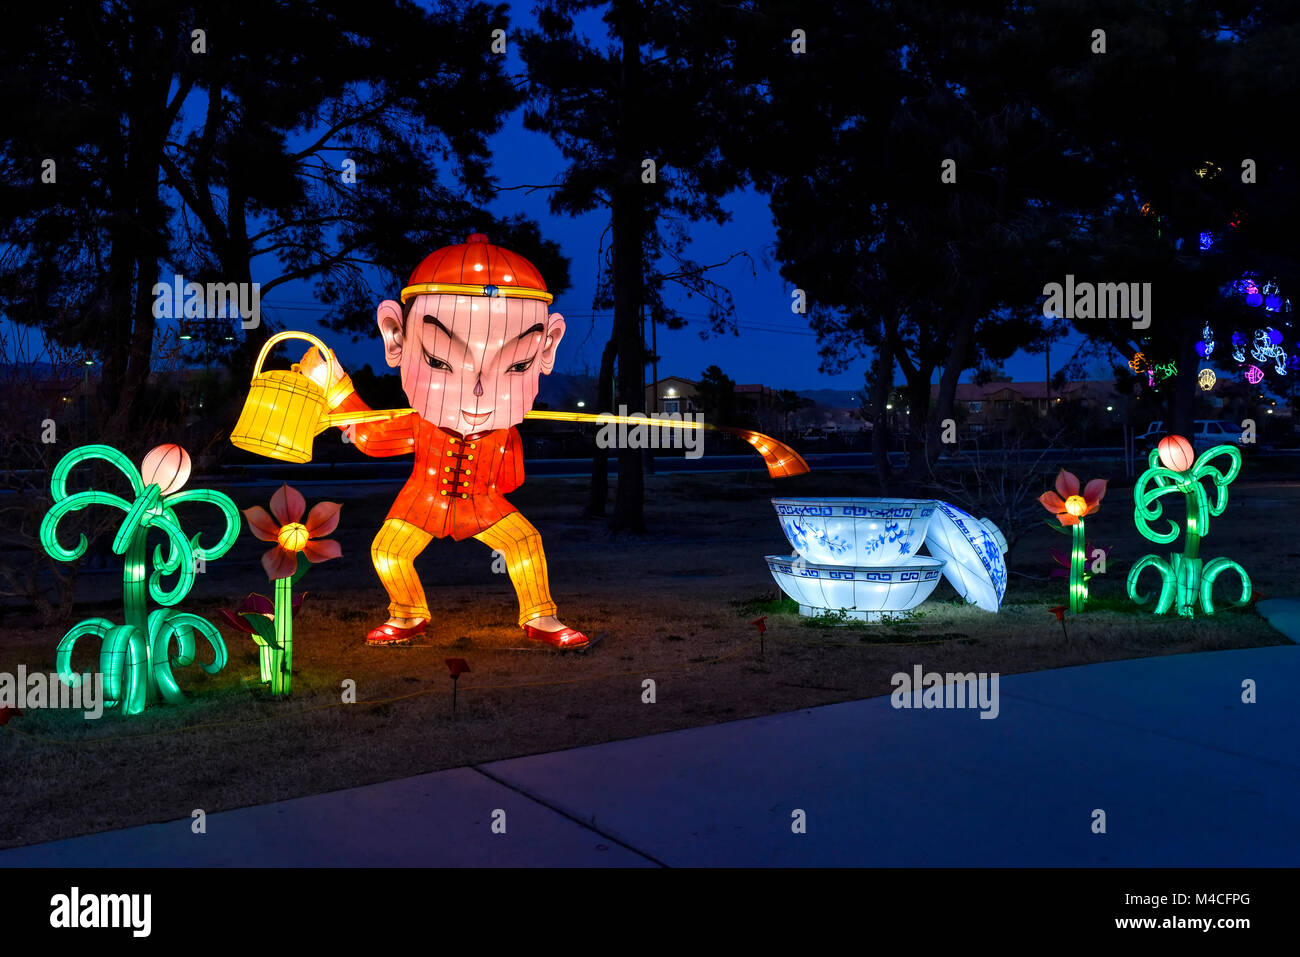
point(855, 532)
point(865, 594)
point(859, 557)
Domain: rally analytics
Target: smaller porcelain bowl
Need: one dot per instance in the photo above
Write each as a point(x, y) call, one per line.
point(855, 532)
point(866, 594)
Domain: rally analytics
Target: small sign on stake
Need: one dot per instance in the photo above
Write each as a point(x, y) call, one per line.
point(761, 625)
point(1059, 612)
point(457, 667)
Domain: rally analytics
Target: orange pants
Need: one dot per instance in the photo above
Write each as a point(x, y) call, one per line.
point(398, 543)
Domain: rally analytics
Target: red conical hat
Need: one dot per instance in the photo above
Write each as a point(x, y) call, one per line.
point(477, 268)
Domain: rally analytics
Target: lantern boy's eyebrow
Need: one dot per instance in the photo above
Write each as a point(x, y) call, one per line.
point(535, 327)
point(449, 334)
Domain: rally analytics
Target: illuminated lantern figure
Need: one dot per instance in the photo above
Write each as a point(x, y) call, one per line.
point(1253, 374)
point(135, 658)
point(1206, 378)
point(471, 337)
point(1185, 584)
point(1070, 505)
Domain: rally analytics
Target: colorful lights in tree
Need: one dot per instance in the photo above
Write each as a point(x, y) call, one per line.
point(1070, 506)
point(1174, 468)
point(1159, 371)
point(1205, 347)
point(1272, 296)
point(1268, 345)
point(1253, 374)
point(134, 658)
point(1207, 170)
point(1206, 379)
point(297, 547)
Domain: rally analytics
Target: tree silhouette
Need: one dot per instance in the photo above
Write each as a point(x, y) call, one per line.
point(663, 91)
point(297, 143)
point(927, 276)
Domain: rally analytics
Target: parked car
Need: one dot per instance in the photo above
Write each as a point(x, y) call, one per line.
point(1208, 432)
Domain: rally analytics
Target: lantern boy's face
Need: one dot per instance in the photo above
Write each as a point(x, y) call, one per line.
point(470, 363)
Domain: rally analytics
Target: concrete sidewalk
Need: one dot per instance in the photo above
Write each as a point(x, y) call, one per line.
point(1186, 773)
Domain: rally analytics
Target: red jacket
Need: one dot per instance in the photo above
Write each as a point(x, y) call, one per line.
point(458, 485)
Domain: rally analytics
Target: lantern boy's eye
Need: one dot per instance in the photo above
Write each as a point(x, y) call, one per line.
point(521, 366)
point(437, 363)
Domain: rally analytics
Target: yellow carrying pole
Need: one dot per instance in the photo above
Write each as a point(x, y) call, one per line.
point(285, 410)
point(781, 460)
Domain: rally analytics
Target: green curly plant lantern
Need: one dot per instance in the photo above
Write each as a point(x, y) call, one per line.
point(134, 658)
point(1185, 583)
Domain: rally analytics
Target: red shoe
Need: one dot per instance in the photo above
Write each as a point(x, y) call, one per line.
point(565, 638)
point(387, 635)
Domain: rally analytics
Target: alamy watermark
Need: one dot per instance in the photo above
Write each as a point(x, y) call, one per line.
point(74, 909)
point(654, 431)
point(214, 300)
point(1105, 300)
point(27, 692)
point(952, 690)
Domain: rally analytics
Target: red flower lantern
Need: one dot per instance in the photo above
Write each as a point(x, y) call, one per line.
point(1069, 503)
point(1176, 453)
point(289, 533)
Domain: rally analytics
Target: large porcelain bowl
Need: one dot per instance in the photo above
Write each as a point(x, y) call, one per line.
point(868, 594)
point(855, 532)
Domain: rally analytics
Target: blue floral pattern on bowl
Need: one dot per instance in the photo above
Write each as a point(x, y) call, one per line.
point(974, 555)
point(855, 532)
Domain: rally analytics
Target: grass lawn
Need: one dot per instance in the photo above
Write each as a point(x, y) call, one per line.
point(674, 606)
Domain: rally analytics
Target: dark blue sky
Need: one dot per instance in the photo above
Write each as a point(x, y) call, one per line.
point(774, 346)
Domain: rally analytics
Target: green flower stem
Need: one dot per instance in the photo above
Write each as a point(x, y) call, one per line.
point(265, 662)
point(1197, 520)
point(1078, 586)
point(282, 678)
point(135, 598)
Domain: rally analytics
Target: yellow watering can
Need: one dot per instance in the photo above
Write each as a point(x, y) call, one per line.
point(286, 409)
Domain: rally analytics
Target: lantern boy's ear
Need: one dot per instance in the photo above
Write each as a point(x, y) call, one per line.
point(554, 333)
point(389, 316)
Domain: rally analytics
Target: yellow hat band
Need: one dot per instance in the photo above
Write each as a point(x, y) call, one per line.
point(464, 289)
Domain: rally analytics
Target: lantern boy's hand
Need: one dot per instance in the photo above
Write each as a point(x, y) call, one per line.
point(318, 369)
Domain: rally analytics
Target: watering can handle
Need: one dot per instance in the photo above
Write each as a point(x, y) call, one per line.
point(306, 336)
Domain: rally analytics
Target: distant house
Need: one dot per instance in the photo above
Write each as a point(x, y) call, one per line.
point(992, 404)
point(672, 394)
point(756, 398)
point(38, 386)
